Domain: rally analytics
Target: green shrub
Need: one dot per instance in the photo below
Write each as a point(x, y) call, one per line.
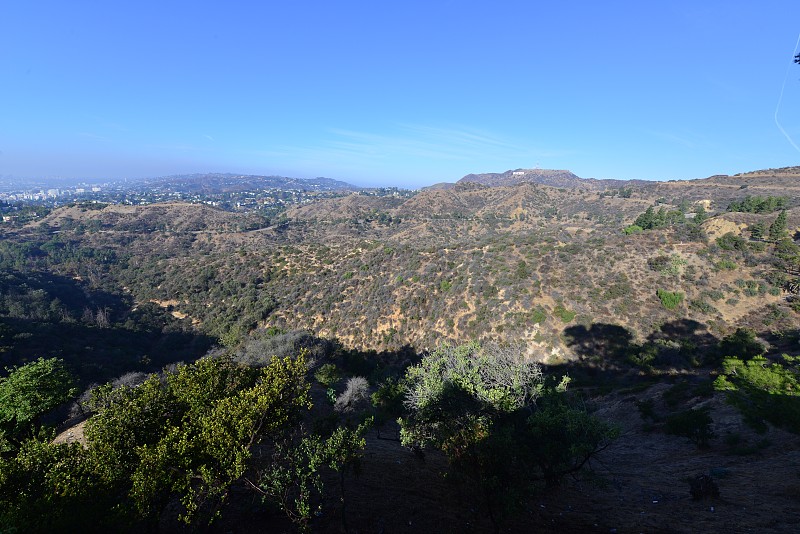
point(644, 356)
point(702, 306)
point(670, 299)
point(725, 265)
point(677, 394)
point(658, 263)
point(730, 241)
point(632, 229)
point(389, 397)
point(27, 393)
point(741, 344)
point(763, 390)
point(666, 264)
point(773, 314)
point(537, 315)
point(563, 313)
point(692, 424)
point(327, 375)
point(740, 447)
point(184, 437)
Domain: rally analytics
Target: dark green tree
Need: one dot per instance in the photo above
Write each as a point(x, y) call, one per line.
point(652, 219)
point(757, 231)
point(28, 392)
point(741, 344)
point(646, 220)
point(757, 204)
point(777, 230)
point(700, 214)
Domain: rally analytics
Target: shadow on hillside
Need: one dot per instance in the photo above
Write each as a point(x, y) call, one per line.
point(98, 333)
point(783, 341)
point(378, 365)
point(97, 354)
point(609, 355)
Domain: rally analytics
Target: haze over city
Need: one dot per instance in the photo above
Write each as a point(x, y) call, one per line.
point(404, 94)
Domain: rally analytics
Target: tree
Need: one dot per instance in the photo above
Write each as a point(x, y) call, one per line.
point(777, 230)
point(184, 436)
point(652, 219)
point(757, 204)
point(741, 344)
point(763, 389)
point(478, 404)
point(28, 392)
point(563, 437)
point(294, 476)
point(458, 399)
point(700, 214)
point(731, 241)
point(354, 398)
point(192, 433)
point(47, 487)
point(757, 231)
point(646, 220)
point(787, 254)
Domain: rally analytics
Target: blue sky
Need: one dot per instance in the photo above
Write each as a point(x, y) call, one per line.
point(397, 93)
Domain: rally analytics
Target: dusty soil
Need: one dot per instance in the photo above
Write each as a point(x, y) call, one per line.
point(73, 434)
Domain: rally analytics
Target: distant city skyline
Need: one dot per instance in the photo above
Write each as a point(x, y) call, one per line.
point(405, 95)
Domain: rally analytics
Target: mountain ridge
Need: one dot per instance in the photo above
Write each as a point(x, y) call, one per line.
point(551, 177)
point(210, 183)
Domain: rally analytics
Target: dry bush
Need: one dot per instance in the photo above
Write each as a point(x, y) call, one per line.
point(355, 396)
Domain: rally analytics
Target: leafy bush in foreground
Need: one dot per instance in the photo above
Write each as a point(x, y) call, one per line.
point(28, 392)
point(479, 406)
point(185, 436)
